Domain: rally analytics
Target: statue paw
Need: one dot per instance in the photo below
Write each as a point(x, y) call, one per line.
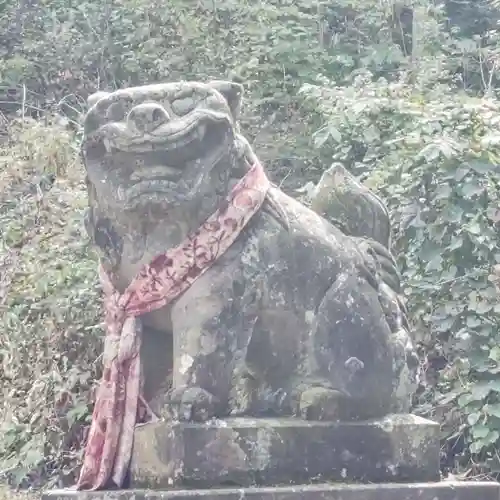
point(319, 403)
point(191, 404)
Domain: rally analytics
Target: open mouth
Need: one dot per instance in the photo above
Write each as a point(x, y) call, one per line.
point(156, 172)
point(165, 163)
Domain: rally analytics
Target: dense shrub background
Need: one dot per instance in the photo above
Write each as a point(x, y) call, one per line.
point(404, 94)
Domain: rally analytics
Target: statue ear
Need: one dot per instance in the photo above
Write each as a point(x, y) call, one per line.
point(232, 92)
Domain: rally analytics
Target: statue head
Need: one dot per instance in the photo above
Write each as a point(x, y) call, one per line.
point(158, 154)
point(156, 146)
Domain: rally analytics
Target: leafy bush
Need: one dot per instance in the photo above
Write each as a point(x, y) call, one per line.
point(56, 53)
point(433, 153)
point(49, 303)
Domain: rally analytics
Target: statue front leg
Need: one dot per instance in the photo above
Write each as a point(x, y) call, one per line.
point(207, 351)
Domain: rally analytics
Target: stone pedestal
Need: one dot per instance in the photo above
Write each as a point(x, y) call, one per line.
point(288, 459)
point(272, 452)
point(418, 491)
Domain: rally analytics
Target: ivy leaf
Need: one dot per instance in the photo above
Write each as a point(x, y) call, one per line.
point(480, 390)
point(370, 135)
point(466, 399)
point(493, 213)
point(448, 398)
point(443, 192)
point(479, 431)
point(473, 418)
point(334, 133)
point(472, 321)
point(461, 172)
point(435, 263)
point(483, 307)
point(320, 137)
point(453, 213)
point(495, 354)
point(323, 134)
point(471, 188)
point(481, 167)
point(491, 437)
point(473, 228)
point(76, 413)
point(456, 241)
point(492, 409)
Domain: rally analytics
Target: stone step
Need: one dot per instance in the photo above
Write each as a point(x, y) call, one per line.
point(445, 490)
point(269, 452)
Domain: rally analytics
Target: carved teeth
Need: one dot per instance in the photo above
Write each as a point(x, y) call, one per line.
point(152, 173)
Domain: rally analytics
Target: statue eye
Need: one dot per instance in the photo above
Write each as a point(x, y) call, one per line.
point(183, 106)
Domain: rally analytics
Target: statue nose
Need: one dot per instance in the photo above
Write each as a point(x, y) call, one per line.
point(147, 117)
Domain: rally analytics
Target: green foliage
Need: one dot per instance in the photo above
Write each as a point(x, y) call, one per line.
point(67, 50)
point(49, 305)
point(434, 155)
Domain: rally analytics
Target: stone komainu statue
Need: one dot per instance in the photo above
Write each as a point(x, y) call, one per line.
point(298, 314)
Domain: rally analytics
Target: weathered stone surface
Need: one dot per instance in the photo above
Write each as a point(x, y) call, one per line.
point(420, 491)
point(297, 318)
point(248, 452)
point(339, 197)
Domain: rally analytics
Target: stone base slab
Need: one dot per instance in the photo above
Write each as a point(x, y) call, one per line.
point(445, 490)
point(271, 452)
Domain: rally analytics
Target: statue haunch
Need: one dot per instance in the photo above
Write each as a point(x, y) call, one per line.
point(300, 317)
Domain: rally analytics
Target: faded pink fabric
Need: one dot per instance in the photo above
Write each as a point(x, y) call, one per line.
point(119, 405)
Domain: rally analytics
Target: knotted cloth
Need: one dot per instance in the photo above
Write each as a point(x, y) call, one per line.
point(119, 403)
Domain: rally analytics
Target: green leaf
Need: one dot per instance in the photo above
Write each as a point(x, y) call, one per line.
point(483, 307)
point(476, 446)
point(32, 458)
point(491, 437)
point(454, 214)
point(435, 264)
point(321, 136)
point(493, 213)
point(370, 135)
point(334, 133)
point(473, 321)
point(495, 353)
point(493, 409)
point(473, 228)
point(481, 167)
point(76, 413)
point(479, 431)
point(473, 418)
point(456, 241)
point(448, 398)
point(443, 192)
point(471, 188)
point(495, 385)
point(461, 172)
point(465, 399)
point(480, 390)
